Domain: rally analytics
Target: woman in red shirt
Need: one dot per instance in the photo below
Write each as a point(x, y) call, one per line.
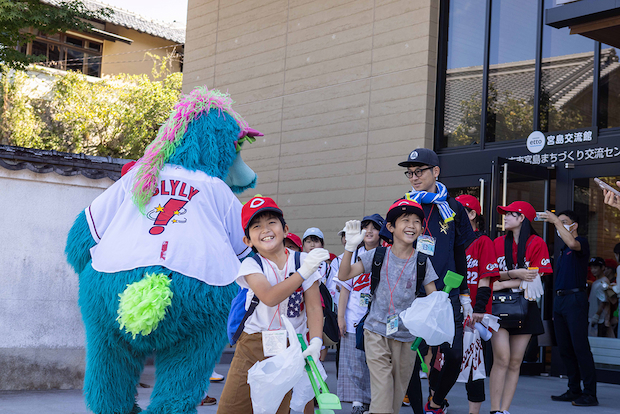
point(481, 273)
point(522, 256)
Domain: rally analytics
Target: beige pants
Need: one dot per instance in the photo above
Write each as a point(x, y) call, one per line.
point(235, 398)
point(391, 364)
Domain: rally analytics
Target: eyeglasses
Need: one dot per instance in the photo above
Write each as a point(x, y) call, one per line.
point(418, 173)
point(513, 214)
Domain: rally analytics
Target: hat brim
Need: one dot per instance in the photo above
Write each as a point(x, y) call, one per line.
point(413, 164)
point(262, 210)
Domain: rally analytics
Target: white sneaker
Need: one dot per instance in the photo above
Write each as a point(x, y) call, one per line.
point(215, 377)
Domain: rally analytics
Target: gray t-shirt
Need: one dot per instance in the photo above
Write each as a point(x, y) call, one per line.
point(402, 295)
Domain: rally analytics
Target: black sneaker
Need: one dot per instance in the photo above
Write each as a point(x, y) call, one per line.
point(567, 396)
point(586, 401)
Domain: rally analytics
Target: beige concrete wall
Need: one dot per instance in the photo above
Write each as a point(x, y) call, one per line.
point(120, 57)
point(342, 89)
point(41, 330)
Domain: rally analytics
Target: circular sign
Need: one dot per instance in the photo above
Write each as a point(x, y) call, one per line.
point(536, 142)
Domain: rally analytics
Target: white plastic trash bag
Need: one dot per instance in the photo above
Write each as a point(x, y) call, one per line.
point(431, 318)
point(473, 358)
point(303, 392)
point(273, 377)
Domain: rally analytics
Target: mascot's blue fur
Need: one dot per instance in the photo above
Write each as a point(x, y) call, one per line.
point(190, 339)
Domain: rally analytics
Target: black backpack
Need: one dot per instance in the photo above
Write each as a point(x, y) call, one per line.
point(375, 277)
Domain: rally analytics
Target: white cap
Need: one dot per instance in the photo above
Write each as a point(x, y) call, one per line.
point(313, 231)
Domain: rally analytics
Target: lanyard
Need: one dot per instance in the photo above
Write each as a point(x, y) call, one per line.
point(387, 272)
point(277, 281)
point(425, 222)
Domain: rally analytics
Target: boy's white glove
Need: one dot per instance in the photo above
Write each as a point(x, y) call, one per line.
point(466, 305)
point(312, 262)
point(314, 348)
point(354, 235)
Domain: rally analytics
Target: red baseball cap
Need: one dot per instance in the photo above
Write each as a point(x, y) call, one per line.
point(522, 207)
point(255, 205)
point(295, 239)
point(127, 167)
point(407, 206)
point(611, 263)
point(470, 201)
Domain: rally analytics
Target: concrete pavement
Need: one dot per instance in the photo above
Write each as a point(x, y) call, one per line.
point(532, 397)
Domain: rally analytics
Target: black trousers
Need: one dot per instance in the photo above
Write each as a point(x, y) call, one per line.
point(443, 381)
point(570, 320)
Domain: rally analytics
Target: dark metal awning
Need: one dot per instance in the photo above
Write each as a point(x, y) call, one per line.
point(595, 19)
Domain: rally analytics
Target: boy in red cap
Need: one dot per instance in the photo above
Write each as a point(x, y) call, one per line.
point(293, 242)
point(387, 341)
point(282, 291)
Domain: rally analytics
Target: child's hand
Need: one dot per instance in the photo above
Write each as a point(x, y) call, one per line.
point(342, 326)
point(314, 349)
point(312, 262)
point(354, 235)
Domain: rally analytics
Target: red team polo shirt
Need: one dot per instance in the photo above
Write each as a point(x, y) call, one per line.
point(536, 254)
point(481, 263)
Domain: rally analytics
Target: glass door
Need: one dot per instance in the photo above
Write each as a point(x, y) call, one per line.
point(477, 185)
point(600, 224)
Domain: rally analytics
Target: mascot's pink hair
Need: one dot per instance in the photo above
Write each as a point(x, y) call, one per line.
point(170, 136)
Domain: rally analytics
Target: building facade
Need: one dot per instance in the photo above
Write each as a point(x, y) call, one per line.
point(124, 42)
point(516, 106)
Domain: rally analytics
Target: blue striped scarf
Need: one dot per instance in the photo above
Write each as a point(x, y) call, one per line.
point(439, 198)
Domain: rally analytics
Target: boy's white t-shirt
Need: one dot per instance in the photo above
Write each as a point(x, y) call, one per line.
point(265, 317)
point(192, 226)
point(357, 286)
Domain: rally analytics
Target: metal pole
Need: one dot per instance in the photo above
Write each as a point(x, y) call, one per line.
point(481, 196)
point(505, 194)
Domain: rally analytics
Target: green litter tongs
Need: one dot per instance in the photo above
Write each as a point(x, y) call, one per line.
point(327, 402)
point(451, 281)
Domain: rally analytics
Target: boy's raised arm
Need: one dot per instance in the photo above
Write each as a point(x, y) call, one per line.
point(273, 295)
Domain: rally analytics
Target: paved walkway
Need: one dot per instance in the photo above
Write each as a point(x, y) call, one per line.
point(532, 397)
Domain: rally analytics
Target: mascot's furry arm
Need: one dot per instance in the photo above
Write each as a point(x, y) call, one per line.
point(79, 243)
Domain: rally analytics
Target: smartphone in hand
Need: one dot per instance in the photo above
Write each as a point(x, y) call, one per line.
point(605, 186)
point(539, 216)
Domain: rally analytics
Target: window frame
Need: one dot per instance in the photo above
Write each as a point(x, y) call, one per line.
point(89, 54)
point(442, 63)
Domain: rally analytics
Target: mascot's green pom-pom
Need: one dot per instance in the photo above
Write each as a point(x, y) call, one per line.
point(143, 304)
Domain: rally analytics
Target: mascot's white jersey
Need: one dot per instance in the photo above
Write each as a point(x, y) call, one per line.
point(192, 226)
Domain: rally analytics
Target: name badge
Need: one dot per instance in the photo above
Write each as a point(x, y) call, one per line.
point(274, 342)
point(364, 299)
point(426, 245)
point(392, 325)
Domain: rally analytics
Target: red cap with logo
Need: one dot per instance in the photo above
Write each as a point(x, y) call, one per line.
point(295, 239)
point(255, 205)
point(406, 206)
point(522, 207)
point(470, 201)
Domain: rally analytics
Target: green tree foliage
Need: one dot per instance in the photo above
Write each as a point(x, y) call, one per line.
point(117, 116)
point(20, 18)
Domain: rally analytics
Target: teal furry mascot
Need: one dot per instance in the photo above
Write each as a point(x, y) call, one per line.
point(157, 254)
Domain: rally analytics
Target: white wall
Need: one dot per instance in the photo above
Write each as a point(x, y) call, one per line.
point(41, 331)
